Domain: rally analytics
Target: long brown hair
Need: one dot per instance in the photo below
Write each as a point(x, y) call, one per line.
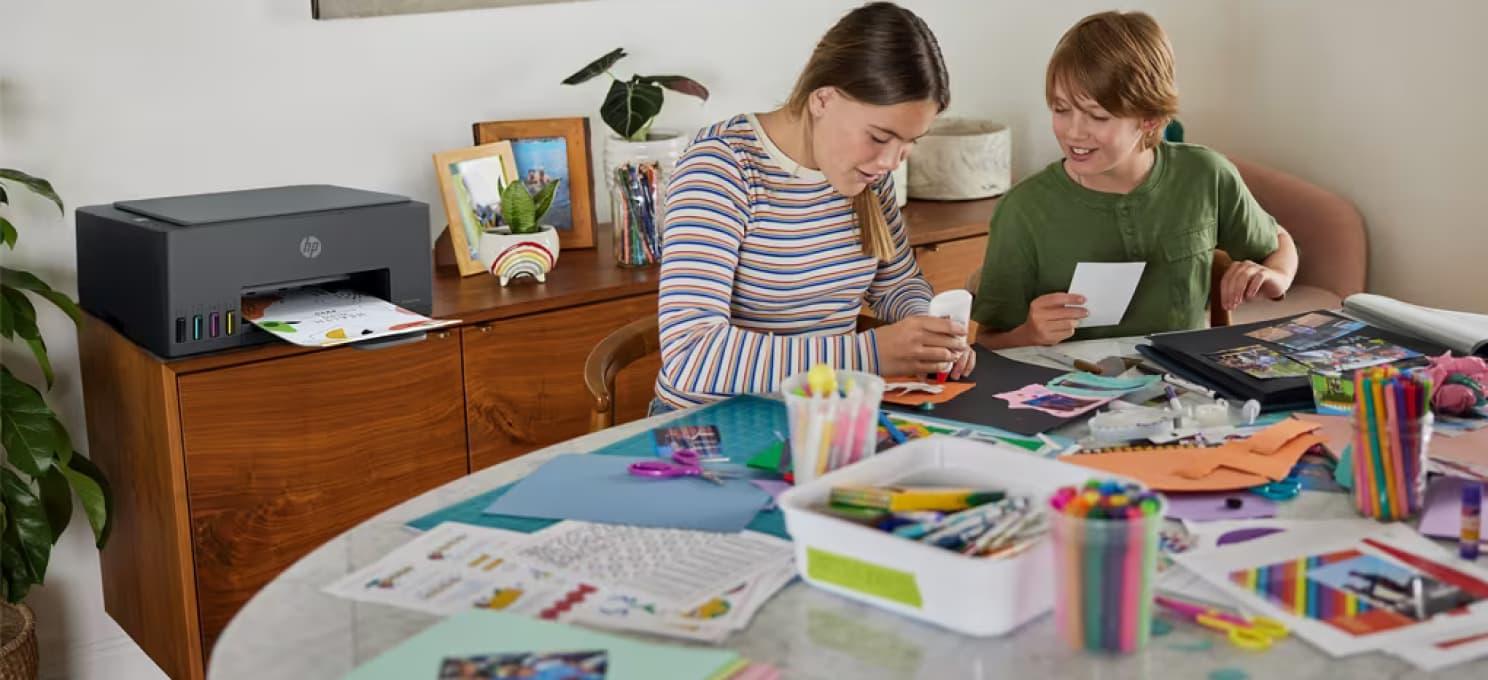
point(879, 54)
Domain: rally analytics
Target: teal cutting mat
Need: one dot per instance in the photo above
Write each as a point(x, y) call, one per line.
point(746, 425)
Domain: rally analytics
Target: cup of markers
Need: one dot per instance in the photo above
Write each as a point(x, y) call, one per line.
point(1392, 424)
point(1105, 560)
point(833, 419)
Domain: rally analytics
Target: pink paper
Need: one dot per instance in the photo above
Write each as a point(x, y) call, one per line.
point(1442, 516)
point(1207, 507)
point(1040, 398)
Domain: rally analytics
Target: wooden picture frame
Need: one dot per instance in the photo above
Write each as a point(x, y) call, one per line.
point(535, 141)
point(460, 170)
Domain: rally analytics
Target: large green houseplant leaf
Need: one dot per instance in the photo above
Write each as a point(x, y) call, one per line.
point(41, 472)
point(630, 106)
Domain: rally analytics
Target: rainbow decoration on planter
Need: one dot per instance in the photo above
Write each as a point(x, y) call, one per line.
point(525, 258)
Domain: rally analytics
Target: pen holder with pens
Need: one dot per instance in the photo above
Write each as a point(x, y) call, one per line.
point(831, 428)
point(1105, 562)
point(1392, 424)
point(636, 175)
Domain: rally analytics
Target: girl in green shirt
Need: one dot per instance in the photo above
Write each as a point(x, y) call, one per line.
point(1120, 194)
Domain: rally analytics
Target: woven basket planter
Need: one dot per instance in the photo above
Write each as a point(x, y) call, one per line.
point(18, 660)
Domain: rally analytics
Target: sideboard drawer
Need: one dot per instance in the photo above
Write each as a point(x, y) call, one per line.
point(524, 378)
point(283, 455)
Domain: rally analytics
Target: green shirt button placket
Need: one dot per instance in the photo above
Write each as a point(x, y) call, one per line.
point(1128, 232)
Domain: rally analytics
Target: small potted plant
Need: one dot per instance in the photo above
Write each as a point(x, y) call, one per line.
point(41, 472)
point(523, 246)
point(637, 159)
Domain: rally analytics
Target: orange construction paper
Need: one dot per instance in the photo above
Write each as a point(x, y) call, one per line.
point(1272, 439)
point(1155, 469)
point(901, 398)
point(1274, 465)
point(1267, 456)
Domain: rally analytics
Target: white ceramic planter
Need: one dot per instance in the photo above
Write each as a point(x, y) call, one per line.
point(961, 158)
point(508, 256)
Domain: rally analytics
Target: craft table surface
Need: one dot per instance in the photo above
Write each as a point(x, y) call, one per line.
point(290, 629)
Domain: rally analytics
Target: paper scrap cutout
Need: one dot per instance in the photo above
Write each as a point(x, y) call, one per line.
point(1041, 398)
point(1238, 464)
point(949, 391)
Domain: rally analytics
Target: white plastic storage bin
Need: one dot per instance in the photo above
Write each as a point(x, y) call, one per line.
point(971, 595)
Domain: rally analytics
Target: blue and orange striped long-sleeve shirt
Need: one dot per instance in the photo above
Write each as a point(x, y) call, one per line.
point(763, 271)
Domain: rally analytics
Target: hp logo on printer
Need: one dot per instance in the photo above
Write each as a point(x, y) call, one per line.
point(310, 247)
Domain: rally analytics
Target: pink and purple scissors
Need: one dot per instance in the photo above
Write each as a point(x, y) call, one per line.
point(686, 463)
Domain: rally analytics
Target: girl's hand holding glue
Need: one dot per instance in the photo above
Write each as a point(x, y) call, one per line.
point(954, 305)
point(919, 345)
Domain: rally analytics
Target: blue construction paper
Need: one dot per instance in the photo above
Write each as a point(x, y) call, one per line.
point(601, 489)
point(746, 425)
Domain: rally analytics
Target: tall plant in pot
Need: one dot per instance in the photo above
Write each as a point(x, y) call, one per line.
point(41, 472)
point(638, 160)
point(524, 246)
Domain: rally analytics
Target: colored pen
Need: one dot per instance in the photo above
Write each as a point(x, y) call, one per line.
point(893, 430)
point(1173, 400)
point(951, 524)
point(899, 499)
point(1472, 521)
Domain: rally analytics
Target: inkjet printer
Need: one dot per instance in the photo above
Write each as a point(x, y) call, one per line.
point(170, 273)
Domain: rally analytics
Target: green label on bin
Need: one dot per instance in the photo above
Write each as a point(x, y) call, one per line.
point(864, 577)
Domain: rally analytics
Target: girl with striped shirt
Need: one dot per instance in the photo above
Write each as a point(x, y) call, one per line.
point(780, 226)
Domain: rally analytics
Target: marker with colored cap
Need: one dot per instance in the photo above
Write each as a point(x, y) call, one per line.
point(1173, 401)
point(1472, 521)
point(893, 430)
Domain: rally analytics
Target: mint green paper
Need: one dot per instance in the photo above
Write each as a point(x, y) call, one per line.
point(1343, 473)
point(484, 632)
point(1091, 385)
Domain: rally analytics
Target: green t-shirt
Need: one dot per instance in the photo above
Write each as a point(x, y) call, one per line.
point(1192, 203)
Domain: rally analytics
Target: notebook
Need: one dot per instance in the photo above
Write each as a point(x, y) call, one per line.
point(1463, 332)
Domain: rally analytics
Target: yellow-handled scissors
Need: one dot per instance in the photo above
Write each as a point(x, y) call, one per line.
point(1256, 633)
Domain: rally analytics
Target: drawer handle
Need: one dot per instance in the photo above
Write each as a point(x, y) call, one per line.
point(931, 247)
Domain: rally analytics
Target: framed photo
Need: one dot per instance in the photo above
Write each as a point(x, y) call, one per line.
point(553, 149)
point(470, 181)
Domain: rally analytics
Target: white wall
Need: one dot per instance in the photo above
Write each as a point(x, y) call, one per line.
point(1376, 100)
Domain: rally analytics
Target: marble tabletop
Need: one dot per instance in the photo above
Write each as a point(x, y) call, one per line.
point(291, 629)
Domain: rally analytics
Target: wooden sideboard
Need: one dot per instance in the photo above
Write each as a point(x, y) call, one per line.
point(228, 467)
